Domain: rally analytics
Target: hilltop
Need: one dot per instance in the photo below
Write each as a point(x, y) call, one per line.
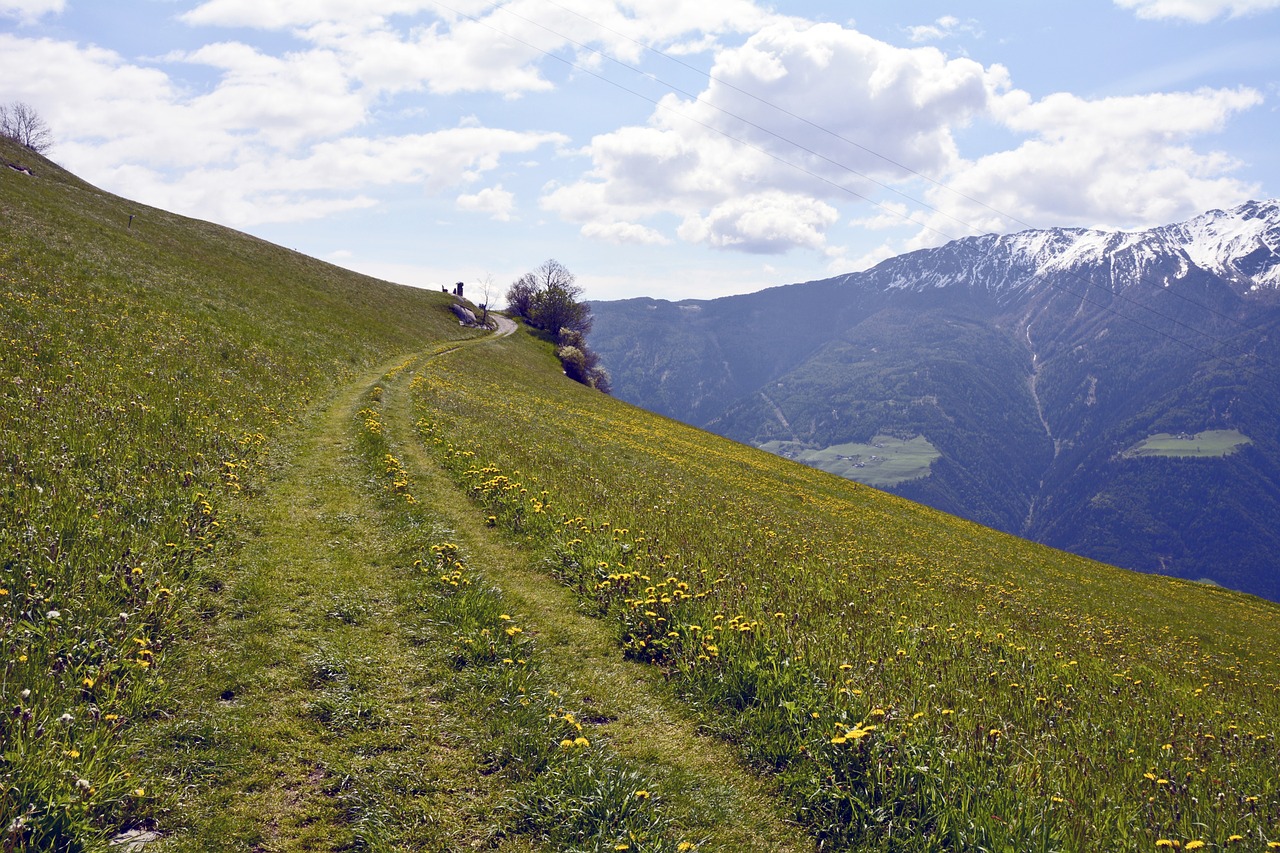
point(294, 561)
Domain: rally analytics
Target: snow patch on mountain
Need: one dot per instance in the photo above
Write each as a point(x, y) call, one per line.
point(1242, 245)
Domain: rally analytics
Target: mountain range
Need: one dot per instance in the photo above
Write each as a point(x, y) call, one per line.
point(1114, 394)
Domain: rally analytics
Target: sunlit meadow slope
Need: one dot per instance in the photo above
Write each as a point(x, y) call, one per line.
point(149, 365)
point(915, 681)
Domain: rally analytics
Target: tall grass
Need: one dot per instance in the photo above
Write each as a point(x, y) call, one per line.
point(147, 374)
point(916, 682)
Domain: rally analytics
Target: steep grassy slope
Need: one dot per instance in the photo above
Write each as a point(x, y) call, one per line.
point(201, 442)
point(916, 681)
point(219, 626)
point(147, 375)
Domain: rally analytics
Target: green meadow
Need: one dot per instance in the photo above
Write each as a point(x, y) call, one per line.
point(884, 461)
point(292, 561)
point(1212, 442)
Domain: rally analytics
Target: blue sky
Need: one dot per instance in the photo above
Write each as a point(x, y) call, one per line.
point(663, 148)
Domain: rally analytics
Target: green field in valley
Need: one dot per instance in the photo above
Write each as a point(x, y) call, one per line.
point(1213, 442)
point(884, 461)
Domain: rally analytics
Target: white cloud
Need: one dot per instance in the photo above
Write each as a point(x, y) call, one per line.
point(495, 201)
point(700, 159)
point(106, 108)
point(390, 46)
point(763, 223)
point(284, 14)
point(266, 144)
point(1116, 162)
point(284, 100)
point(1197, 11)
point(887, 215)
point(30, 11)
point(244, 131)
point(624, 232)
point(948, 26)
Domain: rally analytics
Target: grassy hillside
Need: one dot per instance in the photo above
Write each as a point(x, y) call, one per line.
point(916, 681)
point(147, 375)
point(278, 553)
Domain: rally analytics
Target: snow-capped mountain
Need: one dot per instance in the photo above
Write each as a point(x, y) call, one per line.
point(1032, 363)
point(1242, 245)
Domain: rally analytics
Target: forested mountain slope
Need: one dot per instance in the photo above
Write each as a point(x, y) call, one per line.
point(1032, 364)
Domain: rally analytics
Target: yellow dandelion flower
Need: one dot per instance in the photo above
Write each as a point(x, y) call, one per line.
point(1193, 845)
point(642, 795)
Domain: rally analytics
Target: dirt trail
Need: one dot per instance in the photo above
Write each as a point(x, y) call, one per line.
point(312, 643)
point(629, 700)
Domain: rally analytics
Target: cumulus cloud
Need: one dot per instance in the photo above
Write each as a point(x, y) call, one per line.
point(857, 112)
point(30, 11)
point(796, 126)
point(1197, 11)
point(495, 201)
point(481, 46)
point(269, 142)
point(1120, 162)
point(624, 232)
point(948, 26)
point(865, 119)
point(286, 100)
point(763, 223)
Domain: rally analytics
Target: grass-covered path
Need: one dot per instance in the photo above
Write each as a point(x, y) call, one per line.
point(327, 713)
